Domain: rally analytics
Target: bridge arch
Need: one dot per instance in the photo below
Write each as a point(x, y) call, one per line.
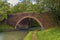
point(32, 17)
point(44, 19)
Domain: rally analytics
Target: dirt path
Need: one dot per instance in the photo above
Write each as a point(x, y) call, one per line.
point(34, 35)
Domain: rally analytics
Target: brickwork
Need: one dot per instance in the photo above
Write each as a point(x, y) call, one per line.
point(44, 20)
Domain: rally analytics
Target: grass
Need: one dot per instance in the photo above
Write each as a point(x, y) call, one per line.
point(28, 36)
point(4, 27)
point(49, 34)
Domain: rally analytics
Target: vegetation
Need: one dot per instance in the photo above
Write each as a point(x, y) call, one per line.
point(49, 34)
point(28, 36)
point(51, 6)
point(4, 7)
point(33, 23)
point(5, 27)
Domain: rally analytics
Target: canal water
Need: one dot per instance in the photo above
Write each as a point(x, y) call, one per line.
point(13, 35)
point(16, 35)
point(1, 36)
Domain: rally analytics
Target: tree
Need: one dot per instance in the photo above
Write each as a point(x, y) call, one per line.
point(3, 10)
point(20, 7)
point(52, 6)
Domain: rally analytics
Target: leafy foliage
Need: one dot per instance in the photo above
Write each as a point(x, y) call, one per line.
point(19, 8)
point(4, 8)
point(52, 6)
point(5, 27)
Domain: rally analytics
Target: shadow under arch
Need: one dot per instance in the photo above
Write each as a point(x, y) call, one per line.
point(34, 18)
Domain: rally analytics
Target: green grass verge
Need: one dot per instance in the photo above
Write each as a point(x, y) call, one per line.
point(28, 36)
point(49, 34)
point(4, 27)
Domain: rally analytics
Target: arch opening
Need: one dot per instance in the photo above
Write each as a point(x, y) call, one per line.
point(29, 23)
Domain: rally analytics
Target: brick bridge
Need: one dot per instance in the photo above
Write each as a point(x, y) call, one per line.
point(43, 19)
